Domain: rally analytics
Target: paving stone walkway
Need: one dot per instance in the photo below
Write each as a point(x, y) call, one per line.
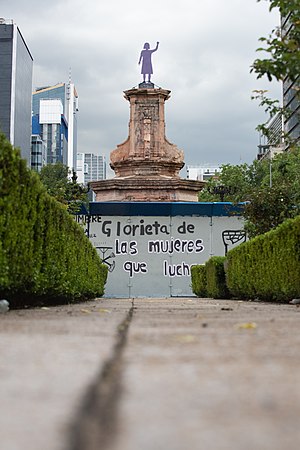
point(151, 374)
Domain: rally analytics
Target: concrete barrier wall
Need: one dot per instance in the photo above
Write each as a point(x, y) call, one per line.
point(150, 247)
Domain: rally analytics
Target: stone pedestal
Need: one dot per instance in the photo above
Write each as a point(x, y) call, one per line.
point(147, 165)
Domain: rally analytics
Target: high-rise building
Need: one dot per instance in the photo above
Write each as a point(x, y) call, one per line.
point(15, 87)
point(283, 129)
point(51, 125)
point(90, 167)
point(38, 153)
point(291, 89)
point(55, 108)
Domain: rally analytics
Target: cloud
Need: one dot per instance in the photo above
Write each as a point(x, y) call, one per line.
point(206, 49)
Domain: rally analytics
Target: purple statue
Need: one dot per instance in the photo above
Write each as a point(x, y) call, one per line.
point(147, 64)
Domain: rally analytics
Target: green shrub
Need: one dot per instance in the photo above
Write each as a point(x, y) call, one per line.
point(44, 255)
point(209, 280)
point(215, 277)
point(198, 274)
point(268, 266)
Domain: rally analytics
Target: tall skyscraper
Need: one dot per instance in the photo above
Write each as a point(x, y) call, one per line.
point(283, 129)
point(15, 87)
point(90, 167)
point(55, 109)
point(291, 99)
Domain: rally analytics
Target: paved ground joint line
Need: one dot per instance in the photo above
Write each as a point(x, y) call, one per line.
point(94, 424)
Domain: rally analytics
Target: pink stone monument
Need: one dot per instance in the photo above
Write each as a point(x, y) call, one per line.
point(146, 151)
point(147, 165)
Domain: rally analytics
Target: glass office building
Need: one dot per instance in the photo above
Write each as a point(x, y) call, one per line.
point(58, 128)
point(291, 99)
point(15, 87)
point(38, 153)
point(51, 125)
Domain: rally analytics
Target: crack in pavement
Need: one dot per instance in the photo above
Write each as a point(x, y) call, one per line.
point(95, 423)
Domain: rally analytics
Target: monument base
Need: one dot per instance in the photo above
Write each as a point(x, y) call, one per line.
point(146, 85)
point(150, 189)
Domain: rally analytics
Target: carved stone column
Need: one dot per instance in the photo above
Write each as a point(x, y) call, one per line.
point(147, 165)
point(147, 150)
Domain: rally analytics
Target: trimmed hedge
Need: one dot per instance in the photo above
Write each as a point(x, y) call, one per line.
point(268, 266)
point(215, 276)
point(44, 255)
point(209, 280)
point(198, 274)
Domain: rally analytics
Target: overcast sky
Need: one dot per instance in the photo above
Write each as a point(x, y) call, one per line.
point(206, 49)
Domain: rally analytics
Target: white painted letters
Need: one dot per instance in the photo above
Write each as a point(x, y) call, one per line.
point(132, 268)
point(126, 248)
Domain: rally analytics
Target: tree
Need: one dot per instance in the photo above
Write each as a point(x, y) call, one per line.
point(270, 188)
point(230, 177)
point(239, 180)
point(282, 59)
point(269, 207)
point(68, 192)
point(282, 48)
